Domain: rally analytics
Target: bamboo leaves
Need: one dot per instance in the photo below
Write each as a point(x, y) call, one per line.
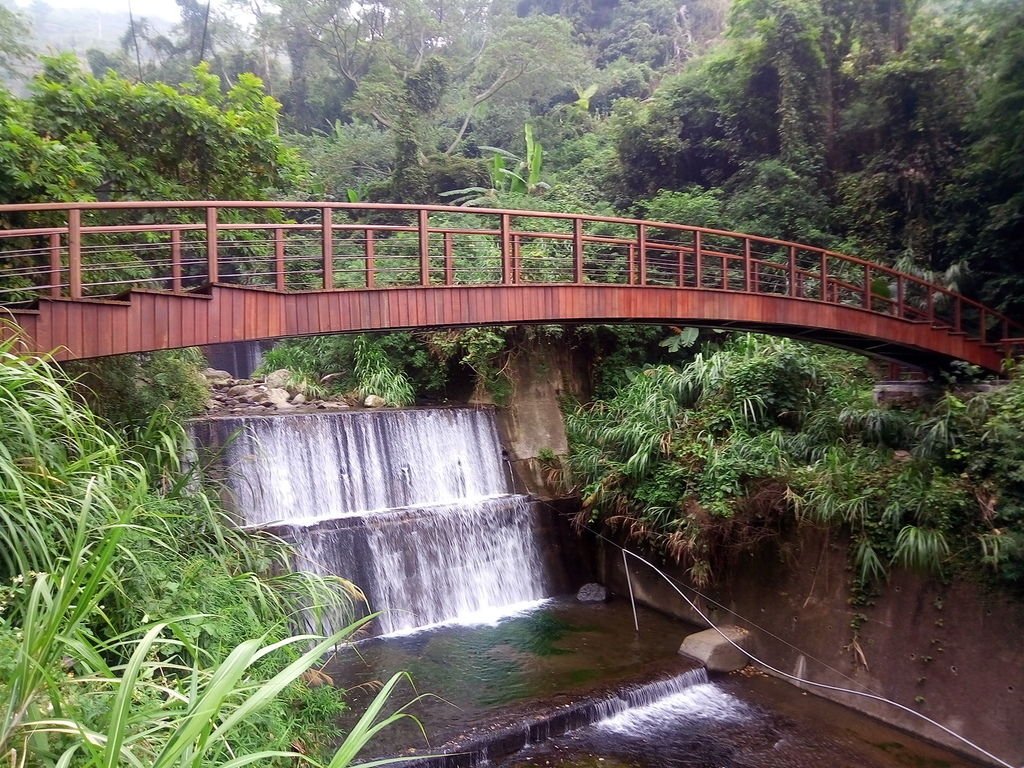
point(761, 428)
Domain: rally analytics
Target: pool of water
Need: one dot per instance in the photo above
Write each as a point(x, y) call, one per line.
point(487, 677)
point(491, 690)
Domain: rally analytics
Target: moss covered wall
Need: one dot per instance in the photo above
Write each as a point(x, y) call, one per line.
point(542, 372)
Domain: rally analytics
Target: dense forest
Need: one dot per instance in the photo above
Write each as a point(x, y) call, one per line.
point(889, 129)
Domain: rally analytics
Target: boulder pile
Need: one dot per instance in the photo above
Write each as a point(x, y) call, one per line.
point(274, 393)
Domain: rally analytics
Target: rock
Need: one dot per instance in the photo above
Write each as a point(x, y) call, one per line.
point(216, 376)
point(274, 396)
point(716, 652)
point(332, 405)
point(374, 401)
point(592, 593)
point(212, 405)
point(278, 379)
point(299, 399)
point(242, 390)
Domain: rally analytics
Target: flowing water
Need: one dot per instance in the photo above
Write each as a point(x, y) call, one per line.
point(416, 507)
point(413, 506)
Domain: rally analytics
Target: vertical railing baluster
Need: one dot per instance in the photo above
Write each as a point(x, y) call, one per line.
point(327, 246)
point(449, 261)
point(423, 228)
point(212, 273)
point(930, 305)
point(370, 251)
point(641, 240)
point(75, 253)
point(56, 264)
point(901, 297)
point(958, 314)
point(747, 285)
point(794, 290)
point(176, 260)
point(698, 259)
point(631, 264)
point(279, 278)
point(867, 287)
point(506, 250)
point(824, 276)
point(577, 250)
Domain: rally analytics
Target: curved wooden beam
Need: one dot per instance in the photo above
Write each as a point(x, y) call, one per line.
point(152, 320)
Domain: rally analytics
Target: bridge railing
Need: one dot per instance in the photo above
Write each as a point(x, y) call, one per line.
point(102, 250)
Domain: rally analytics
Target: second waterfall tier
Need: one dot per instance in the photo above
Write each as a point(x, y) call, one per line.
point(413, 506)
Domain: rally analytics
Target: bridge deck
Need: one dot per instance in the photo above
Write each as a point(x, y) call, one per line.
point(97, 279)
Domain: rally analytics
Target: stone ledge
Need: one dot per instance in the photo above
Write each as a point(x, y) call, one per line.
point(714, 651)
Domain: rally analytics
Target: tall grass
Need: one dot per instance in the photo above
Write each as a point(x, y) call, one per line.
point(137, 626)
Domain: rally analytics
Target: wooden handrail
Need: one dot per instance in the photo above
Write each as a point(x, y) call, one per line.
point(67, 260)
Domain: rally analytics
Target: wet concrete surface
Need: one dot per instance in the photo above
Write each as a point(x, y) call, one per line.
point(739, 722)
point(527, 691)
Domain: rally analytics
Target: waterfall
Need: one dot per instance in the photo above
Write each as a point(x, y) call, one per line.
point(413, 506)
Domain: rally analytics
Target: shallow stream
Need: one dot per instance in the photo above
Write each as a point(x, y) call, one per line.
point(571, 685)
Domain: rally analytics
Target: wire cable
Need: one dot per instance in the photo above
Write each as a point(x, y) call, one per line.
point(781, 673)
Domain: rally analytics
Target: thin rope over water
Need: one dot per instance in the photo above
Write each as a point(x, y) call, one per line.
point(629, 581)
point(805, 681)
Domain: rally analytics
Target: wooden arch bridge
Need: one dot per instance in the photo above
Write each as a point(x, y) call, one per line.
point(91, 279)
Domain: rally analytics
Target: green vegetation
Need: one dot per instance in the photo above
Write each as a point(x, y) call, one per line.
point(137, 625)
point(132, 614)
point(127, 390)
point(361, 365)
point(79, 137)
point(728, 450)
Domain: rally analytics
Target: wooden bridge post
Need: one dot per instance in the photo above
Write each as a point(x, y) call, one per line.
point(327, 243)
point(55, 264)
point(506, 249)
point(794, 290)
point(423, 228)
point(641, 239)
point(279, 281)
point(75, 253)
point(577, 250)
point(212, 273)
point(747, 277)
point(824, 276)
point(867, 287)
point(176, 260)
point(901, 297)
point(698, 262)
